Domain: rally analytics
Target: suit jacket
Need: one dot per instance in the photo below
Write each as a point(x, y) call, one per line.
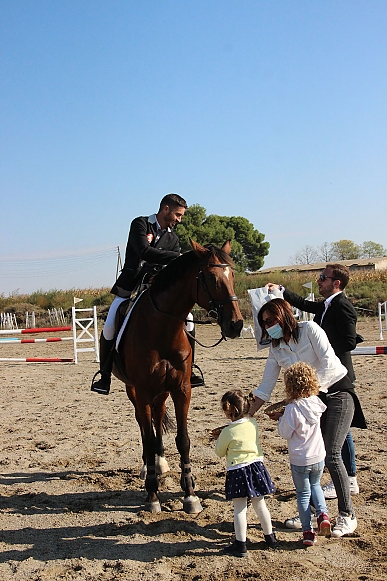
point(144, 255)
point(339, 323)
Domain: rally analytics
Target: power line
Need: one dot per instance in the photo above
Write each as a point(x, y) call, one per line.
point(38, 267)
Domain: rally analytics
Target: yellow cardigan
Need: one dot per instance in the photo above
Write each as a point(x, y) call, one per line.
point(239, 442)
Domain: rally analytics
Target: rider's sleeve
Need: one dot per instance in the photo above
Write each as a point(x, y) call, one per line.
point(138, 239)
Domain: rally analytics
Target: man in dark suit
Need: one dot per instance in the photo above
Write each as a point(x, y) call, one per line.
point(151, 245)
point(337, 316)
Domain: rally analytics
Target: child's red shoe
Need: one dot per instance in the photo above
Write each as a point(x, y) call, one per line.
point(310, 538)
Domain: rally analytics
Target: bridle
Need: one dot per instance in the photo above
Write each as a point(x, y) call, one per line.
point(216, 307)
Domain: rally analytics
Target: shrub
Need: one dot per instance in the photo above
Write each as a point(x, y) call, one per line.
point(365, 290)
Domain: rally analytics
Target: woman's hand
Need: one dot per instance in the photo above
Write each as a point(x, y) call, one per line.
point(271, 286)
point(275, 415)
point(255, 405)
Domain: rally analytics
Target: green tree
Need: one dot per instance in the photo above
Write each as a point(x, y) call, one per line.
point(345, 250)
point(248, 246)
point(371, 249)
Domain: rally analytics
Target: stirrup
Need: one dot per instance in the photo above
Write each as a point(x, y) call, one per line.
point(196, 380)
point(99, 386)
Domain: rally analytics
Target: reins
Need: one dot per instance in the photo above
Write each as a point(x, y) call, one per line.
point(223, 338)
point(185, 321)
point(217, 305)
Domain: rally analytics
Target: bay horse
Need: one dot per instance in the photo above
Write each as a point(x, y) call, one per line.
point(157, 357)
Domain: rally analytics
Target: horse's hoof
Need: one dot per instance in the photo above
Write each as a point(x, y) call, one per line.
point(191, 505)
point(153, 506)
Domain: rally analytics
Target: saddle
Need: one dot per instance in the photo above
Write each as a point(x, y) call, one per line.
point(126, 306)
point(122, 312)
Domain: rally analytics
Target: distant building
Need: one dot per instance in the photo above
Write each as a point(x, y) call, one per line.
point(356, 264)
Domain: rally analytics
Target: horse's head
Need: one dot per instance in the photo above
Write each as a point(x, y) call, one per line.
point(215, 287)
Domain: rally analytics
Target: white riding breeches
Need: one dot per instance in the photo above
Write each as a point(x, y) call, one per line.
point(109, 326)
point(189, 326)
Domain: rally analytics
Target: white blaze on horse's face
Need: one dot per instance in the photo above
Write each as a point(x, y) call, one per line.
point(227, 272)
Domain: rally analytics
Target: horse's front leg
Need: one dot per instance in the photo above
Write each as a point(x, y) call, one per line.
point(132, 396)
point(152, 503)
point(191, 502)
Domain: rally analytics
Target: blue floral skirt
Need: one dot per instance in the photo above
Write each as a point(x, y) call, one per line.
point(249, 481)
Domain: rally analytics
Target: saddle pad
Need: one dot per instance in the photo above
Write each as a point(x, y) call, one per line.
point(125, 322)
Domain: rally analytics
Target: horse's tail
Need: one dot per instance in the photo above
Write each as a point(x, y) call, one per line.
point(168, 423)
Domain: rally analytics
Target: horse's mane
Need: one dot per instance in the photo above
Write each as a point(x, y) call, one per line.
point(178, 268)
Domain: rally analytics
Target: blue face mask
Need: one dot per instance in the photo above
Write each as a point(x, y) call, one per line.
point(275, 331)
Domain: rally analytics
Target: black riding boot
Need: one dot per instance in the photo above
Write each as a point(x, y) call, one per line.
point(196, 380)
point(271, 541)
point(105, 367)
point(237, 549)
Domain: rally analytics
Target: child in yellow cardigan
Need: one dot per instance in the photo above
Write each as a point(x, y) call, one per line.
point(247, 477)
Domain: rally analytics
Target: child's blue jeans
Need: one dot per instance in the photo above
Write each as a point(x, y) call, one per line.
point(307, 482)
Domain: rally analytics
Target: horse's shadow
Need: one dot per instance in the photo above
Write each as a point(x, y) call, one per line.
point(130, 500)
point(30, 477)
point(105, 540)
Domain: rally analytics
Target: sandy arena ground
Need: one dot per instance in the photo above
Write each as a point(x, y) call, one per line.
point(72, 500)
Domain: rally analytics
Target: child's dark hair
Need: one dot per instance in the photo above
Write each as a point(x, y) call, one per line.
point(235, 404)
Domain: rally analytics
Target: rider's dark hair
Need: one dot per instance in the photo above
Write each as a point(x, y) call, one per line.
point(173, 201)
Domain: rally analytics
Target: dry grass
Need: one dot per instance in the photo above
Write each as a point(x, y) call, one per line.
point(366, 289)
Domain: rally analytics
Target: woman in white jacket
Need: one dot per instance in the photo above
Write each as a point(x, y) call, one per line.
point(292, 341)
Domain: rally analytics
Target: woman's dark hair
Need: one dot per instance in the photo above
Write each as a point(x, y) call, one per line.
point(281, 311)
point(235, 404)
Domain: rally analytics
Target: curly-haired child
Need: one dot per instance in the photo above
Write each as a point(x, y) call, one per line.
point(300, 426)
point(246, 477)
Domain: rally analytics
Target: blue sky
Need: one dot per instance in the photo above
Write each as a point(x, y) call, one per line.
point(273, 110)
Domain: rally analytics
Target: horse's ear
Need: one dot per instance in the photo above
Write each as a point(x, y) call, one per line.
point(198, 249)
point(227, 246)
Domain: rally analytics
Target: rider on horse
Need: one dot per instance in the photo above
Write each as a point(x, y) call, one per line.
point(152, 244)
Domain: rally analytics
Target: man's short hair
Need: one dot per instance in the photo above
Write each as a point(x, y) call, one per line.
point(173, 201)
point(341, 273)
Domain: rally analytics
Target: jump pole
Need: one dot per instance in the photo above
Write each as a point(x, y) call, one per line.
point(49, 340)
point(37, 330)
point(38, 359)
point(369, 351)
